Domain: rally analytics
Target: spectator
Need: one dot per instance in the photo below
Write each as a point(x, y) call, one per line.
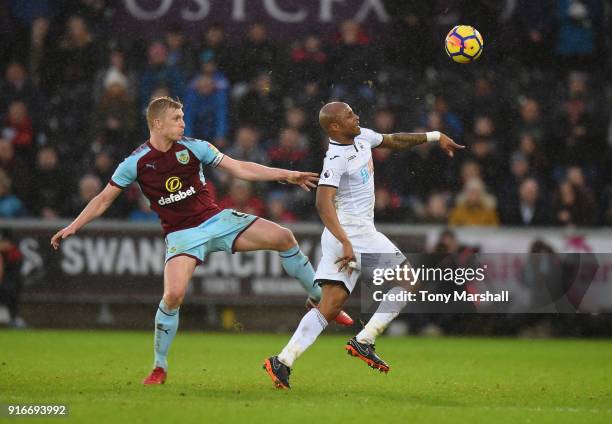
point(310, 99)
point(19, 130)
point(579, 26)
point(436, 209)
point(104, 165)
point(17, 86)
point(439, 168)
point(115, 116)
point(116, 72)
point(519, 171)
point(352, 64)
point(258, 54)
point(534, 26)
point(215, 46)
point(159, 73)
point(241, 198)
point(577, 140)
point(447, 243)
point(485, 100)
point(181, 54)
point(210, 67)
point(10, 278)
point(449, 119)
point(70, 71)
point(295, 118)
point(304, 116)
point(387, 206)
point(288, 153)
point(10, 205)
point(388, 164)
point(80, 55)
point(388, 168)
point(474, 206)
point(18, 169)
point(484, 127)
point(247, 146)
point(528, 147)
point(261, 106)
point(49, 198)
point(39, 52)
point(531, 122)
point(571, 207)
point(206, 112)
point(101, 165)
point(469, 169)
point(577, 86)
point(575, 175)
point(408, 42)
point(89, 186)
point(483, 149)
point(308, 60)
point(454, 255)
point(529, 209)
point(277, 208)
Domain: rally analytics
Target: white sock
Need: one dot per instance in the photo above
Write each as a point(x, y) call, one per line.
point(385, 313)
point(311, 325)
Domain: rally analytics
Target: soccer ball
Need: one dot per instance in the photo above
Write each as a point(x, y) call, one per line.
point(464, 44)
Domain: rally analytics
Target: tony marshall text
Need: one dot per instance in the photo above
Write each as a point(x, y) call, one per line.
point(425, 296)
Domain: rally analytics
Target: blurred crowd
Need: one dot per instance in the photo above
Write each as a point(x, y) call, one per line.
point(534, 111)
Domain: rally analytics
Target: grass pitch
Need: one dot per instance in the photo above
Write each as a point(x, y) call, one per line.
point(218, 378)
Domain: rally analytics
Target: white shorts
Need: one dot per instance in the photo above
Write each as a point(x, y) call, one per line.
point(366, 242)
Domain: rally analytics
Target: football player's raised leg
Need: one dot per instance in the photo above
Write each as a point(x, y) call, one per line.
point(177, 273)
point(387, 310)
point(314, 322)
point(362, 345)
point(334, 296)
point(267, 235)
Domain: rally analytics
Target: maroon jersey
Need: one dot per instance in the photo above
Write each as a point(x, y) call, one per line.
point(173, 181)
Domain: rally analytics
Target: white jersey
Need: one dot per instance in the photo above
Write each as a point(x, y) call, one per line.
point(350, 169)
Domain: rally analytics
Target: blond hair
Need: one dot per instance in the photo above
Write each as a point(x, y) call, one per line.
point(158, 106)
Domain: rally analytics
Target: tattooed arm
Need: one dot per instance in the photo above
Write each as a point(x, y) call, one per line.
point(398, 141)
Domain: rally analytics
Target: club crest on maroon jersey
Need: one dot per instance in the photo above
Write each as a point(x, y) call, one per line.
point(183, 157)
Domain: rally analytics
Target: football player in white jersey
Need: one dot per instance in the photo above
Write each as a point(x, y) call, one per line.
point(345, 202)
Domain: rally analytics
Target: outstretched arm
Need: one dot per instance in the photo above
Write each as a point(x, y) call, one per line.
point(398, 141)
point(255, 172)
point(94, 209)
